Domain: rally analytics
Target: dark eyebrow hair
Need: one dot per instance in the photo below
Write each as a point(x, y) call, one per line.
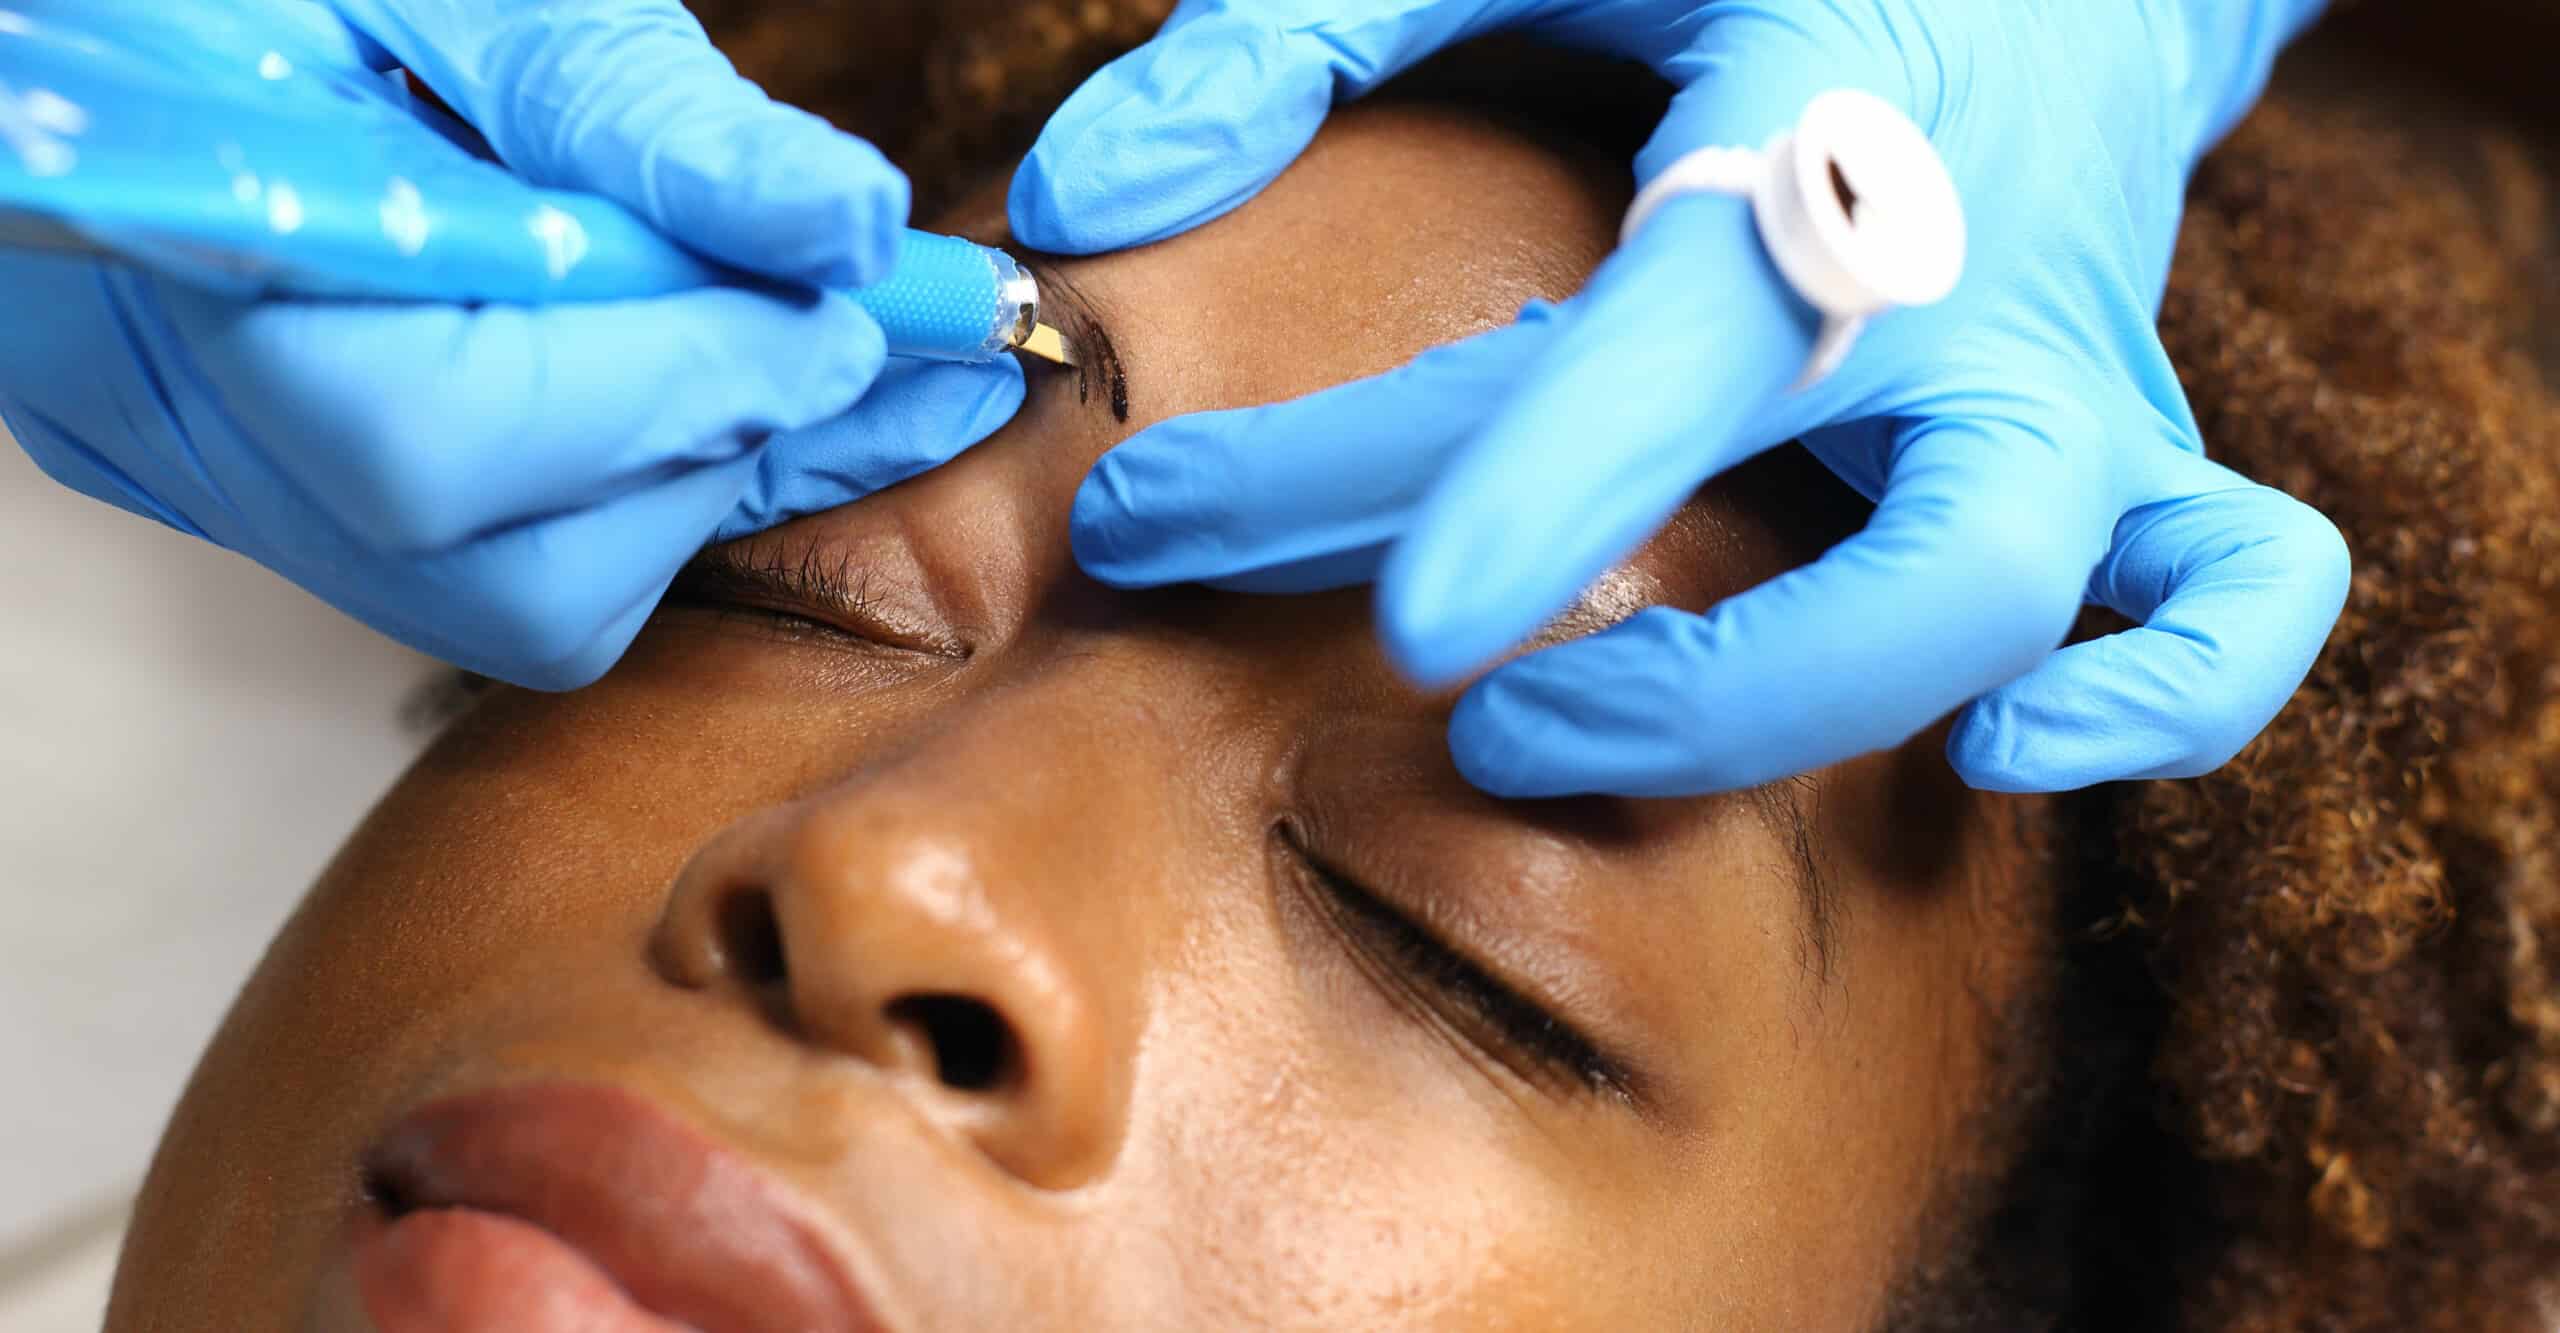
point(1077, 317)
point(1783, 804)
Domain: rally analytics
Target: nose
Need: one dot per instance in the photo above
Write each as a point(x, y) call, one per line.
point(972, 945)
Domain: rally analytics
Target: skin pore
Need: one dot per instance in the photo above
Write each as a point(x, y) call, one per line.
point(1089, 959)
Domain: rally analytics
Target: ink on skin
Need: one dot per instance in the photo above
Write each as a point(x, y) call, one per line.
point(1119, 383)
point(1096, 359)
point(1094, 356)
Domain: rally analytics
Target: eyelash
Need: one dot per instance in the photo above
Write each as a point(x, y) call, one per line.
point(1516, 1022)
point(729, 582)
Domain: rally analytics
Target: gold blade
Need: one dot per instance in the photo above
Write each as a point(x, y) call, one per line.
point(1047, 344)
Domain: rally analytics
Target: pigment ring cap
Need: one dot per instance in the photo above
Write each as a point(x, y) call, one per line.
point(1858, 209)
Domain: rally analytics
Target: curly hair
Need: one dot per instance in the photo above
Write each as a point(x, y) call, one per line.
point(2306, 1069)
point(2355, 927)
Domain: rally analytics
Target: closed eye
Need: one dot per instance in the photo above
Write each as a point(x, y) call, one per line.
point(1531, 1039)
point(813, 595)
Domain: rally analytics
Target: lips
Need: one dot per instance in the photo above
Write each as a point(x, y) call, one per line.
point(557, 1207)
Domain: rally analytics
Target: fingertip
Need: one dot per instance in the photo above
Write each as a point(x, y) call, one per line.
point(1149, 512)
point(1561, 723)
point(633, 103)
point(592, 659)
point(2131, 706)
point(1996, 753)
point(2327, 562)
point(1461, 589)
point(1045, 211)
point(1423, 634)
point(1001, 388)
point(575, 673)
point(1174, 134)
point(554, 639)
point(1982, 748)
point(1493, 740)
point(1632, 710)
point(1322, 572)
point(866, 220)
point(1117, 188)
point(2238, 590)
point(915, 417)
point(1100, 525)
point(767, 187)
point(1598, 440)
point(929, 411)
point(1094, 520)
point(1447, 603)
point(955, 403)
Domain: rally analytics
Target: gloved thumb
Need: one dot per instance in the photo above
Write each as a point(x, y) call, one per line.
point(917, 416)
point(1183, 129)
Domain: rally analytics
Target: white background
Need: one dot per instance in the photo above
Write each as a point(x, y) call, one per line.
point(184, 739)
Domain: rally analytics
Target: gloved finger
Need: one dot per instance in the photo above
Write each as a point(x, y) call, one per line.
point(1967, 575)
point(1295, 496)
point(2237, 587)
point(628, 99)
point(1196, 121)
point(326, 37)
point(1748, 71)
point(917, 416)
point(432, 425)
point(552, 605)
point(1672, 365)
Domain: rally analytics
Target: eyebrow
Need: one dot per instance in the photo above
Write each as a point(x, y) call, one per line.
point(1075, 315)
point(1815, 888)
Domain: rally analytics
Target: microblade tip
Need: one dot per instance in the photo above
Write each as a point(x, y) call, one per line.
point(1048, 344)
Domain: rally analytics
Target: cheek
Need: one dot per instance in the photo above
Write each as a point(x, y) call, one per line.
point(1302, 1156)
point(1815, 1088)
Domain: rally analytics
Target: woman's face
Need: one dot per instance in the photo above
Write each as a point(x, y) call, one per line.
point(912, 924)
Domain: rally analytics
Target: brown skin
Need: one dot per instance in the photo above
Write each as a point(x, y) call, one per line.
point(1075, 806)
point(2299, 1066)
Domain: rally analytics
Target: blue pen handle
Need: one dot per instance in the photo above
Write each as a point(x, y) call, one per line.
point(230, 156)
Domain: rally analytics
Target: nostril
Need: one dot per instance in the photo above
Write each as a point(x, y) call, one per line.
point(973, 1047)
point(751, 940)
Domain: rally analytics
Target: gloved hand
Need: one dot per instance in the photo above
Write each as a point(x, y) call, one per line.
point(2025, 440)
point(512, 489)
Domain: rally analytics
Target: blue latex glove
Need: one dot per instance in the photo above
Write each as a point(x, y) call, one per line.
point(2026, 441)
point(512, 489)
